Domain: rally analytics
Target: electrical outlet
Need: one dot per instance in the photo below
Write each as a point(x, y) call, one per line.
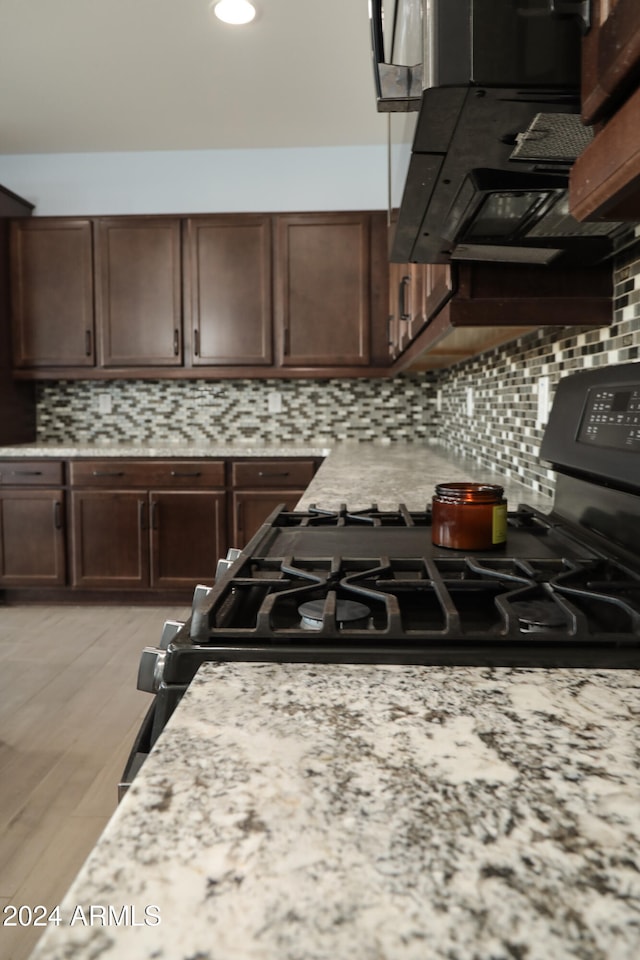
point(470, 401)
point(274, 401)
point(543, 400)
point(104, 403)
point(439, 400)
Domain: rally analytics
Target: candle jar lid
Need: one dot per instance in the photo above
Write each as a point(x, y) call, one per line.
point(461, 492)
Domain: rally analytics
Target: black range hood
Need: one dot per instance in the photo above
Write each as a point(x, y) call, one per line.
point(498, 129)
point(488, 180)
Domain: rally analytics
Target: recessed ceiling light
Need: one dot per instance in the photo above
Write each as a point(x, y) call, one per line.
point(234, 11)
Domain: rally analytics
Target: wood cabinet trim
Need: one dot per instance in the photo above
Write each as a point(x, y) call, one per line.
point(610, 58)
point(604, 182)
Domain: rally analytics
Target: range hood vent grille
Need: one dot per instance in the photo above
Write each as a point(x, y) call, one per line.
point(553, 137)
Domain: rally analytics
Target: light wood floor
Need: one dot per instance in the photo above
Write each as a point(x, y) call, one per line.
point(69, 711)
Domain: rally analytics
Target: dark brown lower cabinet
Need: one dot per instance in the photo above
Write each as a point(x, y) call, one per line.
point(187, 537)
point(108, 539)
point(252, 507)
point(259, 486)
point(32, 552)
point(138, 539)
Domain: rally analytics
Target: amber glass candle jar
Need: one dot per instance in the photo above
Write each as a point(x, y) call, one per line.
point(469, 516)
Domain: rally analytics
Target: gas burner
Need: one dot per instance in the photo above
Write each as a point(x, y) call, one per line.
point(349, 613)
point(538, 616)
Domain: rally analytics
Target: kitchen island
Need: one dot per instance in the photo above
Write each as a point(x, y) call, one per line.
point(294, 811)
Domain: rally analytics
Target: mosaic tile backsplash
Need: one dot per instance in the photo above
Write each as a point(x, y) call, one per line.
point(237, 410)
point(504, 430)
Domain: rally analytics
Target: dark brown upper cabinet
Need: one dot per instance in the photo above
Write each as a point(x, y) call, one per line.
point(17, 400)
point(610, 57)
point(473, 307)
point(138, 292)
point(52, 292)
point(228, 290)
point(322, 295)
point(605, 179)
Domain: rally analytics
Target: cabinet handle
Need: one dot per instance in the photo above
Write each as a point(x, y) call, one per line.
point(186, 473)
point(141, 517)
point(402, 299)
point(287, 342)
point(273, 473)
point(88, 347)
point(57, 515)
point(239, 523)
point(108, 473)
point(580, 9)
point(27, 473)
point(176, 342)
point(196, 342)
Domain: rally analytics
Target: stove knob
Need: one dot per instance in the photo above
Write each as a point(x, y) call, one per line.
point(151, 669)
point(169, 630)
point(223, 564)
point(199, 594)
point(199, 623)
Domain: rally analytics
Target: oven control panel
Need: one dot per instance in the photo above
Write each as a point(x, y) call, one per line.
point(594, 426)
point(611, 417)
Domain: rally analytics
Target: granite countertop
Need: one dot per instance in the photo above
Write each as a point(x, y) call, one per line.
point(360, 474)
point(356, 473)
point(166, 450)
point(324, 812)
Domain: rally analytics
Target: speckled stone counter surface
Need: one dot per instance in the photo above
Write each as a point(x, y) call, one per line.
point(359, 474)
point(297, 812)
point(354, 473)
point(164, 450)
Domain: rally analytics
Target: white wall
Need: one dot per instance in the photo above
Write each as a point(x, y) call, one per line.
point(206, 181)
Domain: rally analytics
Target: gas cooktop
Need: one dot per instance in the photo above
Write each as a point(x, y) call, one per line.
point(371, 587)
point(320, 586)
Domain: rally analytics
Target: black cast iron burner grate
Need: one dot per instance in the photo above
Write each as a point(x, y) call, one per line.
point(417, 600)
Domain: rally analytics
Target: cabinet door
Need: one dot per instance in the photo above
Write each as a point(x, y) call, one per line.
point(52, 293)
point(323, 289)
point(110, 539)
point(32, 549)
point(187, 537)
point(251, 508)
point(138, 291)
point(228, 260)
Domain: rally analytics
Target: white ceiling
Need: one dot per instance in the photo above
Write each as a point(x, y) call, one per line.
point(133, 75)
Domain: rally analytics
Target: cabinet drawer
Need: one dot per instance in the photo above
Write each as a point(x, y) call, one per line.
point(40, 473)
point(272, 473)
point(147, 473)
